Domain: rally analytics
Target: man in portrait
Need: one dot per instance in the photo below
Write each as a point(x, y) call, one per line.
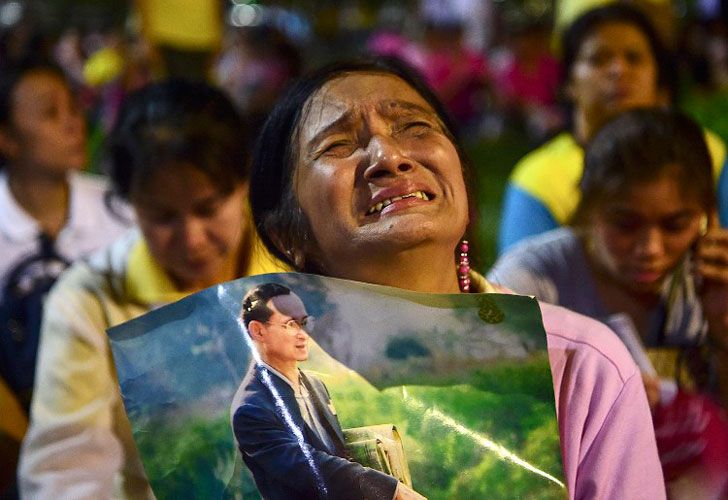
point(283, 419)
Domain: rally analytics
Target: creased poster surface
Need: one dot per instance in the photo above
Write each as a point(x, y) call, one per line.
point(449, 395)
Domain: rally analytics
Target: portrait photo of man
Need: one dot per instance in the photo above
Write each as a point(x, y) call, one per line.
point(283, 418)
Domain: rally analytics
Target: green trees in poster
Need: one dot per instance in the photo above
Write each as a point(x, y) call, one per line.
point(196, 459)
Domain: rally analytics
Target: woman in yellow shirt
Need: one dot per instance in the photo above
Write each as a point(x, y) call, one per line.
point(178, 155)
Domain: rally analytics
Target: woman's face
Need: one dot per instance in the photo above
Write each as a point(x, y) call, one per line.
point(47, 131)
point(376, 174)
point(639, 238)
point(615, 70)
point(192, 230)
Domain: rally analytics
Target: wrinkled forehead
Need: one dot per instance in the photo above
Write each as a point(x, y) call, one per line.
point(363, 87)
point(353, 93)
point(289, 305)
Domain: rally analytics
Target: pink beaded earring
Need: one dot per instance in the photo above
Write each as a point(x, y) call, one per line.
point(464, 267)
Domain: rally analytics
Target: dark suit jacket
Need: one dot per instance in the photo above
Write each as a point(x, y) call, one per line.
point(285, 467)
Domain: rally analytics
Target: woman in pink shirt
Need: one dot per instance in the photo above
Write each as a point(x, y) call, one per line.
point(358, 175)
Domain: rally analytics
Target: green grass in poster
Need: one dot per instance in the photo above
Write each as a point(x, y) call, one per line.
point(459, 440)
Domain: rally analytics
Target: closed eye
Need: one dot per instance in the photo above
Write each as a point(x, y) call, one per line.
point(597, 58)
point(160, 217)
point(416, 127)
point(626, 224)
point(208, 209)
point(339, 149)
point(678, 223)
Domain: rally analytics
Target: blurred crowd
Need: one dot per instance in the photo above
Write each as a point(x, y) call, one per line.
point(495, 65)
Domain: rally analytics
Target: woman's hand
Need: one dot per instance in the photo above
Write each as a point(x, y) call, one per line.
point(712, 268)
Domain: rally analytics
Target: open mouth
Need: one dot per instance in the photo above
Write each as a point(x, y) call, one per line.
point(378, 207)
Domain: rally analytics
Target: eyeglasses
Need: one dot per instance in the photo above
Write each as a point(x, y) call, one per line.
point(294, 325)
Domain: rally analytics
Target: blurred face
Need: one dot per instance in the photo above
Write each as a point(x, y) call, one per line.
point(193, 231)
point(376, 172)
point(47, 132)
point(615, 70)
point(639, 238)
point(282, 339)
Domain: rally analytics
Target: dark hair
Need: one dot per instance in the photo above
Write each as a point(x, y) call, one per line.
point(255, 302)
point(639, 146)
point(277, 214)
point(10, 78)
point(175, 122)
point(586, 24)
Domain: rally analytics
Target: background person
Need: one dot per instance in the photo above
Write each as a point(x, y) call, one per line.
point(636, 248)
point(50, 215)
point(184, 36)
point(254, 66)
point(275, 319)
point(178, 155)
point(526, 75)
point(357, 175)
point(613, 60)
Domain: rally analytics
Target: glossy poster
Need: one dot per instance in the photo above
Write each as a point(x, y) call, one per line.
point(344, 389)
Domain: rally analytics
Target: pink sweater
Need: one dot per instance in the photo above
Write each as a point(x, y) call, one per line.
point(607, 438)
